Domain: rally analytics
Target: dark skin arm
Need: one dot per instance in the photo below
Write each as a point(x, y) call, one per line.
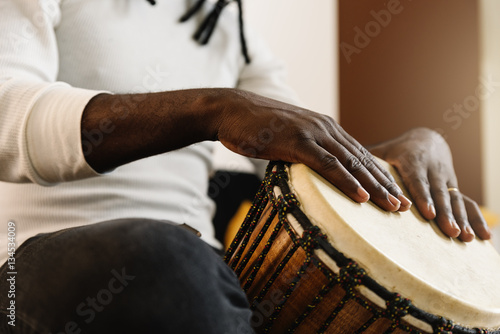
point(423, 159)
point(149, 124)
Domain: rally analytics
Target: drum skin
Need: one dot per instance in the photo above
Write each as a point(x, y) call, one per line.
point(291, 289)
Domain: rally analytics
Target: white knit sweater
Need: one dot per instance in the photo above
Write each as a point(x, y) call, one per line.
point(55, 55)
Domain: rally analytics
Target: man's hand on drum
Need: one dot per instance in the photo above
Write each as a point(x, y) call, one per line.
point(263, 128)
point(423, 159)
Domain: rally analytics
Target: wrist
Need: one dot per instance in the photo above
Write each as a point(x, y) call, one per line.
point(212, 108)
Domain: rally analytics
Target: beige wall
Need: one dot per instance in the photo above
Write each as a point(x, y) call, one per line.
point(303, 34)
point(412, 71)
point(490, 113)
point(490, 66)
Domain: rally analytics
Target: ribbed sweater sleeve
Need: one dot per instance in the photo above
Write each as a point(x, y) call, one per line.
point(39, 117)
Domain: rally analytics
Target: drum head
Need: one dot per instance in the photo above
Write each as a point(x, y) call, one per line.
point(405, 253)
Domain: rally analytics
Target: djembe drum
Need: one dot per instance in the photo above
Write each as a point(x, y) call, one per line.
point(313, 261)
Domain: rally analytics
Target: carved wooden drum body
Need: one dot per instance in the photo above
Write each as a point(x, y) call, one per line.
point(313, 261)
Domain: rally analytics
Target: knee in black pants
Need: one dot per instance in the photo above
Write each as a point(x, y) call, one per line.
point(128, 276)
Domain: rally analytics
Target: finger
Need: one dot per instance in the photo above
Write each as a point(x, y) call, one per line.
point(375, 168)
point(476, 219)
point(460, 214)
point(364, 152)
point(417, 183)
point(444, 214)
point(382, 176)
point(378, 192)
point(329, 166)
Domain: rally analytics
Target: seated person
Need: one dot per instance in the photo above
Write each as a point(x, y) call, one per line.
point(108, 113)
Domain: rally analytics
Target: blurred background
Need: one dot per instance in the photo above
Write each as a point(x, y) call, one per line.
point(381, 67)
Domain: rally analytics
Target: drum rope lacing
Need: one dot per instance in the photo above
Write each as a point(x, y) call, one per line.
point(351, 275)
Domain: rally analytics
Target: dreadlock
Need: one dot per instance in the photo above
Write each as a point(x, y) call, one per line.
point(206, 28)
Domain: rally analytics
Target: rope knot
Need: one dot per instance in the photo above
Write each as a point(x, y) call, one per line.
point(310, 238)
point(351, 275)
point(444, 326)
point(286, 202)
point(397, 307)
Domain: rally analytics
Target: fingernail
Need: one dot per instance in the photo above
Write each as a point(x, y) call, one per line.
point(405, 202)
point(431, 209)
point(394, 201)
point(363, 194)
point(455, 226)
point(469, 230)
point(487, 234)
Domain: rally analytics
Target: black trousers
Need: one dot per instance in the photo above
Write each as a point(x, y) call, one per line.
point(122, 276)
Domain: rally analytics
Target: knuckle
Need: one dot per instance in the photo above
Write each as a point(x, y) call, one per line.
point(364, 151)
point(391, 187)
point(330, 163)
point(416, 158)
point(353, 164)
point(444, 213)
point(462, 221)
point(456, 198)
point(440, 192)
point(366, 160)
point(325, 119)
point(422, 180)
point(302, 139)
point(320, 122)
point(420, 196)
point(419, 188)
point(440, 167)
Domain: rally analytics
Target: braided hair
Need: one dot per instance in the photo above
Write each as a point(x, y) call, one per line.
point(206, 28)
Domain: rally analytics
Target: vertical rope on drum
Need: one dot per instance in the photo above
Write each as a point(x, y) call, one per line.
point(334, 314)
point(334, 280)
point(241, 266)
point(310, 307)
point(396, 308)
point(279, 206)
point(262, 198)
point(369, 322)
point(291, 288)
point(262, 256)
point(275, 275)
point(348, 278)
point(319, 297)
point(240, 240)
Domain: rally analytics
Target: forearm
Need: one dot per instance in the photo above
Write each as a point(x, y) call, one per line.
point(118, 129)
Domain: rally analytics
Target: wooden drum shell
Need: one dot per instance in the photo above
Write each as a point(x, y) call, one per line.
point(307, 286)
